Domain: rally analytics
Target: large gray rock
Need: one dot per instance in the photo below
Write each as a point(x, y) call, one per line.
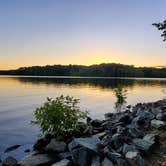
point(158, 124)
point(9, 161)
point(63, 162)
point(143, 144)
point(56, 146)
point(88, 142)
point(107, 162)
point(37, 160)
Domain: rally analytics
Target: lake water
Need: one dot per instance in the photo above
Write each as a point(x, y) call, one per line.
point(19, 96)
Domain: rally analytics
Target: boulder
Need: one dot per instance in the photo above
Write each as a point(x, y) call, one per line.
point(82, 156)
point(9, 161)
point(37, 160)
point(143, 144)
point(56, 146)
point(40, 144)
point(88, 142)
point(107, 162)
point(158, 124)
point(135, 159)
point(63, 162)
point(11, 148)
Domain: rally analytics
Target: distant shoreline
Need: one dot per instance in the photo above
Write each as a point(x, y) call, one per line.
point(84, 77)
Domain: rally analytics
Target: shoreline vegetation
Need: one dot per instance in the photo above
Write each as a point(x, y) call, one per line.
point(135, 136)
point(101, 70)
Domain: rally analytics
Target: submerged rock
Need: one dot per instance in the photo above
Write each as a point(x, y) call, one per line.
point(11, 148)
point(37, 160)
point(9, 161)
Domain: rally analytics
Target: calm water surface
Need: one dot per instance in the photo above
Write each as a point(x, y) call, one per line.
point(19, 96)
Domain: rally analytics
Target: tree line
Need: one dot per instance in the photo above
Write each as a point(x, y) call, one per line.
point(101, 70)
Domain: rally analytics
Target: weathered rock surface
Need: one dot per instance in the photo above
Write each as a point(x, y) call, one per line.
point(89, 142)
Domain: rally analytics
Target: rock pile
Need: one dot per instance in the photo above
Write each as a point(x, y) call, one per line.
point(122, 139)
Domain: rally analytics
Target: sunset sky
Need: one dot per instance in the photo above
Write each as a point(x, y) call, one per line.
point(41, 32)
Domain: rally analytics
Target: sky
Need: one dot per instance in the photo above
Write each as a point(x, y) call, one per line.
point(47, 32)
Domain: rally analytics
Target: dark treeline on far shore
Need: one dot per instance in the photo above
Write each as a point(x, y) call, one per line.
point(101, 70)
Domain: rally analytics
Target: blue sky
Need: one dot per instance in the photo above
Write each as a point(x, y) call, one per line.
point(41, 32)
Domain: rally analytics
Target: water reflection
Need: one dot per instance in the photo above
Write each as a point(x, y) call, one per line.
point(121, 96)
point(97, 82)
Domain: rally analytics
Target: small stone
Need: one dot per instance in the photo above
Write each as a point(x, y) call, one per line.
point(56, 146)
point(158, 124)
point(131, 154)
point(107, 162)
point(63, 162)
point(9, 161)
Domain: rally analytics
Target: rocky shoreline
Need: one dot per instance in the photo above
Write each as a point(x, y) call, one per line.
point(135, 137)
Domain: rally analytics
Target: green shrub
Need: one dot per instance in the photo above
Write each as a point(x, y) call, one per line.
point(59, 117)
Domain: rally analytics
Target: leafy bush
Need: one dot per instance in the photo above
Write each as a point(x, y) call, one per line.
point(59, 117)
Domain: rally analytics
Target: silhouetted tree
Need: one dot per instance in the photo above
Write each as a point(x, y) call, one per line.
point(162, 27)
